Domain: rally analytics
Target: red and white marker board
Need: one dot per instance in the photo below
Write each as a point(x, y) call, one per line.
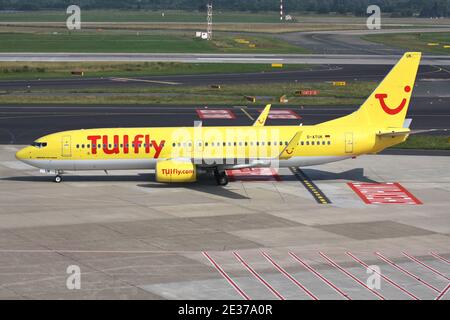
point(253, 174)
point(282, 114)
point(215, 114)
point(384, 193)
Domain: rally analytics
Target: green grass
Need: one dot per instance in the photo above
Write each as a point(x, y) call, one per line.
point(61, 70)
point(425, 142)
point(415, 41)
point(133, 43)
point(352, 94)
point(141, 16)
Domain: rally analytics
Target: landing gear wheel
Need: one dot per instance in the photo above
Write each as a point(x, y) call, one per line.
point(221, 178)
point(58, 179)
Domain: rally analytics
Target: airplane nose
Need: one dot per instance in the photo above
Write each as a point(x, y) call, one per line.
point(21, 154)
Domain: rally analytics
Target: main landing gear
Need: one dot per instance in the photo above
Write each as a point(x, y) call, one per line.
point(221, 177)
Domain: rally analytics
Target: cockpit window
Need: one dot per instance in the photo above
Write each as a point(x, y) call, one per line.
point(39, 144)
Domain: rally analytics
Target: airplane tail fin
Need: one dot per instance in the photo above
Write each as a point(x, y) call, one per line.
point(388, 105)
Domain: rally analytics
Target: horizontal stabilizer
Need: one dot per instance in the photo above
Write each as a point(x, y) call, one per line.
point(429, 130)
point(394, 132)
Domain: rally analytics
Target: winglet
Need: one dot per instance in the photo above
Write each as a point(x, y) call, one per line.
point(288, 152)
point(261, 121)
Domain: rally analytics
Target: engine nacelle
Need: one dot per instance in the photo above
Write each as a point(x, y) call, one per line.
point(175, 171)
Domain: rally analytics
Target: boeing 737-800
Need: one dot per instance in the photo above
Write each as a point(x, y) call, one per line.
point(177, 153)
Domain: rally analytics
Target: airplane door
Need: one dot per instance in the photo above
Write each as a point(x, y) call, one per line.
point(349, 142)
point(66, 146)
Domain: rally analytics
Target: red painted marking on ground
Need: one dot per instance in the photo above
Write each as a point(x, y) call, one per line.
point(226, 276)
point(434, 254)
point(425, 265)
point(215, 114)
point(383, 276)
point(282, 114)
point(257, 276)
point(410, 274)
point(383, 193)
point(254, 174)
point(347, 273)
point(317, 274)
point(289, 276)
point(439, 297)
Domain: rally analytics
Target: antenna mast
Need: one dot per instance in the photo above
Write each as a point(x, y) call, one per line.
point(209, 29)
point(281, 10)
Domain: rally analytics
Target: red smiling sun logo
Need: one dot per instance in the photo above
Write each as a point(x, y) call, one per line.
point(386, 108)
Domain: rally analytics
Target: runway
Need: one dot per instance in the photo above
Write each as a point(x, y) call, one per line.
point(359, 59)
point(21, 124)
point(323, 73)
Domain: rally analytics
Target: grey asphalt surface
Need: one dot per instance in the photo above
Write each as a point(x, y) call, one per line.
point(131, 239)
point(21, 124)
point(221, 58)
point(349, 41)
point(322, 73)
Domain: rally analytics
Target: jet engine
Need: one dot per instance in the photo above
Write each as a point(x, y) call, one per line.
point(175, 171)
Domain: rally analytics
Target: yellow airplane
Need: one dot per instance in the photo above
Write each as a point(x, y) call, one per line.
point(178, 153)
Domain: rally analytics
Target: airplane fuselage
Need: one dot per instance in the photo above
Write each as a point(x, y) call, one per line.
point(142, 148)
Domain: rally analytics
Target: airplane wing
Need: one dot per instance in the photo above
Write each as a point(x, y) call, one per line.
point(260, 122)
point(290, 148)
